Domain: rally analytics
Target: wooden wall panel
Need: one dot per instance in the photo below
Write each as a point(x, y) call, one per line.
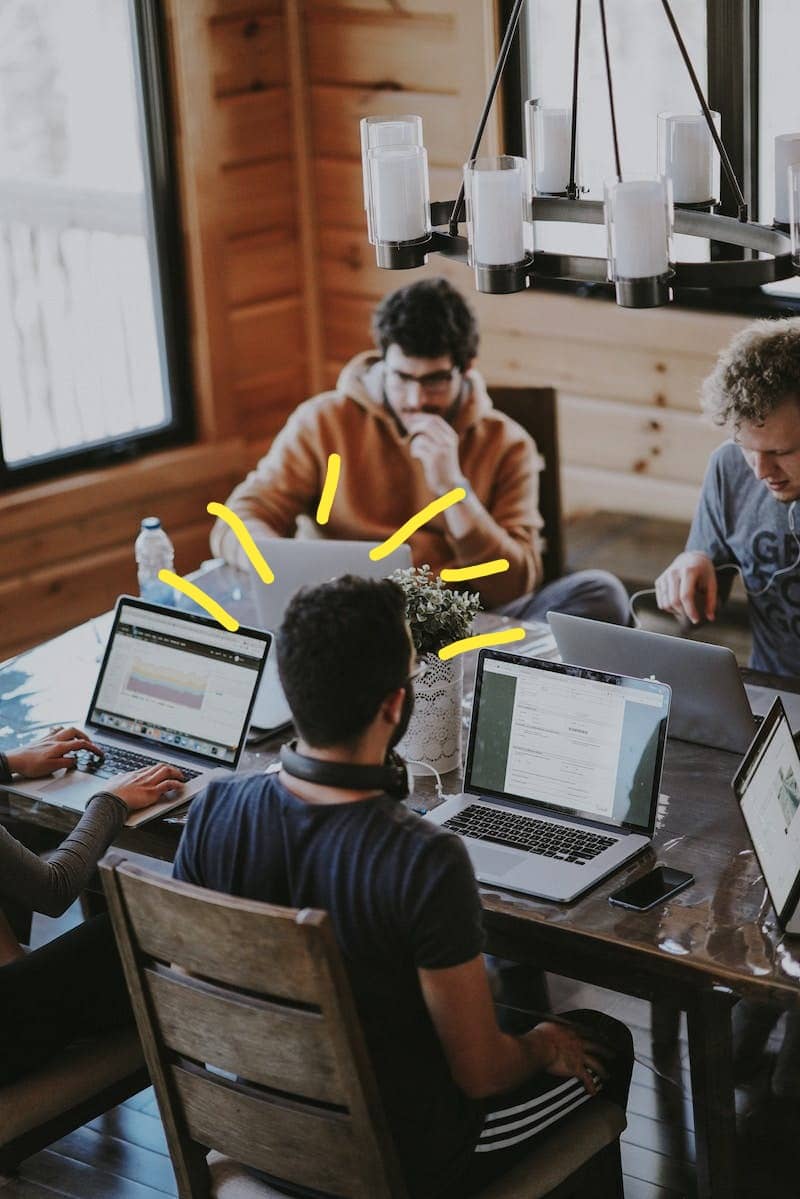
point(390, 52)
point(248, 52)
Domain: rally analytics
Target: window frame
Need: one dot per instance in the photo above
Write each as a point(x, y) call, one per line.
point(733, 90)
point(151, 69)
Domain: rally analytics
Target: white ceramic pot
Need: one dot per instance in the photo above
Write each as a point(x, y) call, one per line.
point(434, 731)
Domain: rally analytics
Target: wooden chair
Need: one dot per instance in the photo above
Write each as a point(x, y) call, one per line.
point(255, 1051)
point(536, 409)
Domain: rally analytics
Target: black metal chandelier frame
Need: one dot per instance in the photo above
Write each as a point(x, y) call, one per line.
point(695, 220)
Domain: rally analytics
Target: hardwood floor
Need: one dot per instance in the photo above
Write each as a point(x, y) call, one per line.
point(123, 1154)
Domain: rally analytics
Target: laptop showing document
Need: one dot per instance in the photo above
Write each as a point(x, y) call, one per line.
point(173, 687)
point(301, 562)
point(767, 786)
point(562, 775)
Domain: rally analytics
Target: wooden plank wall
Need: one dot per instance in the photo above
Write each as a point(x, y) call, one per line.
point(631, 436)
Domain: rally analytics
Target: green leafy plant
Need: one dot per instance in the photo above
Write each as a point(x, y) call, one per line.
point(436, 614)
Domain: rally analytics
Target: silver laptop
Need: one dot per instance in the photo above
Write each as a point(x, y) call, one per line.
point(173, 687)
point(562, 776)
point(301, 562)
point(710, 703)
point(767, 786)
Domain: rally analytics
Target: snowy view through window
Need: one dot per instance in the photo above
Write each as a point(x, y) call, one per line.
point(80, 358)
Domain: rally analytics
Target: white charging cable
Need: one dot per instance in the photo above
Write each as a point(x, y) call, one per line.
point(433, 770)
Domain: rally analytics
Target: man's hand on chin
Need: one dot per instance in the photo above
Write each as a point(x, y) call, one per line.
point(434, 443)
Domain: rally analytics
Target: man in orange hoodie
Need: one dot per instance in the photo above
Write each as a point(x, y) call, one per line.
point(412, 421)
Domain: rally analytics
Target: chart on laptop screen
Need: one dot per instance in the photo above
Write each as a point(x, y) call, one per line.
point(575, 743)
point(181, 684)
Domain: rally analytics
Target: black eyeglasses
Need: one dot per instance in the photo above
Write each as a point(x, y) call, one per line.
point(435, 381)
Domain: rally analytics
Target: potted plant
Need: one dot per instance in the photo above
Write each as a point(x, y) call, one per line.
point(437, 615)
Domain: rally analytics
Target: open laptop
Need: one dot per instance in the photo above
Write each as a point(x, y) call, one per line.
point(173, 687)
point(562, 776)
point(301, 562)
point(767, 786)
point(710, 703)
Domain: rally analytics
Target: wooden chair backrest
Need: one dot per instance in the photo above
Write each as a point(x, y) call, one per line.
point(251, 1036)
point(536, 409)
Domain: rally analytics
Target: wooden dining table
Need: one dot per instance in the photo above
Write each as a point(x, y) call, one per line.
point(700, 951)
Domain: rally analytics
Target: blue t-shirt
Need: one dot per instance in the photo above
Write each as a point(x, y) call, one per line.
point(401, 894)
point(738, 521)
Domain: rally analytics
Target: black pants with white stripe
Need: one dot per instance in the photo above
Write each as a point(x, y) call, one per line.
point(515, 1119)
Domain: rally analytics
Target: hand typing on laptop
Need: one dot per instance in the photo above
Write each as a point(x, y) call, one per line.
point(141, 788)
point(54, 752)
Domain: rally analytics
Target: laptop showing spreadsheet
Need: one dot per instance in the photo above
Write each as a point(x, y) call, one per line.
point(562, 776)
point(173, 687)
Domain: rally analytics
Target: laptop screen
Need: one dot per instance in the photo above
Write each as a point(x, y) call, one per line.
point(179, 680)
point(767, 786)
point(580, 742)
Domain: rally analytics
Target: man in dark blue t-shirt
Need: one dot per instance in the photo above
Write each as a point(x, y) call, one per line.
point(462, 1098)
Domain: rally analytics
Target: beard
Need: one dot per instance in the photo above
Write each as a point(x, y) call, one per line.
point(405, 716)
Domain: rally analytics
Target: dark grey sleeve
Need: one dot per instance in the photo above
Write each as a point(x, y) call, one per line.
point(708, 533)
point(51, 886)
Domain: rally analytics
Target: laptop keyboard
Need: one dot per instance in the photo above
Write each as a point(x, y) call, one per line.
point(120, 761)
point(558, 841)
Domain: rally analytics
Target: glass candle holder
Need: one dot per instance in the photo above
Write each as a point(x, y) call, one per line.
point(385, 131)
point(548, 133)
point(688, 157)
point(494, 190)
point(399, 200)
point(793, 174)
point(787, 154)
point(639, 216)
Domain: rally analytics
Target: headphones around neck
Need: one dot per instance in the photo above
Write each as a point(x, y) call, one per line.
point(393, 776)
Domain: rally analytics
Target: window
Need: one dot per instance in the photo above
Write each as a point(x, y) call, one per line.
point(742, 51)
point(90, 370)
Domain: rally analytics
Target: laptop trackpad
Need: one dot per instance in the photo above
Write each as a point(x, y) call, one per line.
point(492, 861)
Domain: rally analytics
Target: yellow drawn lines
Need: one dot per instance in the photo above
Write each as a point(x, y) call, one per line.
point(416, 522)
point(481, 641)
point(244, 537)
point(205, 601)
point(463, 574)
point(329, 488)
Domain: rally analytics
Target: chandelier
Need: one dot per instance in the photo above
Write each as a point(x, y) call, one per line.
point(502, 196)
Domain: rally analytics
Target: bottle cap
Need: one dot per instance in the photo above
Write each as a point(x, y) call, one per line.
point(151, 522)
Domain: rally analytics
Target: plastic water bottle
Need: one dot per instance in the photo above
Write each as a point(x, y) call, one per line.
point(154, 552)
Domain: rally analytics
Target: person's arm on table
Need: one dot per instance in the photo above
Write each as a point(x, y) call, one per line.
point(509, 530)
point(50, 886)
point(688, 587)
point(285, 483)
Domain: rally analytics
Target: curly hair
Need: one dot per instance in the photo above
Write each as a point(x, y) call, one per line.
point(427, 320)
point(757, 372)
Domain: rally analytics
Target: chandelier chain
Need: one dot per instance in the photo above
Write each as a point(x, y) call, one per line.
point(572, 186)
point(617, 162)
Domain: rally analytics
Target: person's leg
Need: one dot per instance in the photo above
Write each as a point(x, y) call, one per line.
point(595, 594)
point(71, 987)
point(751, 1025)
point(515, 1119)
point(786, 1076)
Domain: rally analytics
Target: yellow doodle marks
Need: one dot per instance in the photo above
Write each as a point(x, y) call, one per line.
point(199, 596)
point(463, 574)
point(416, 522)
point(329, 488)
point(481, 641)
point(245, 539)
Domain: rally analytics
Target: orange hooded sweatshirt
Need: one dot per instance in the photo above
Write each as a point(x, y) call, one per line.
point(381, 485)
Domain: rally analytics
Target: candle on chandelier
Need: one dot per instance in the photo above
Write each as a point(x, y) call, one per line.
point(793, 175)
point(639, 224)
point(687, 155)
point(787, 154)
point(399, 200)
point(495, 192)
point(385, 131)
point(549, 139)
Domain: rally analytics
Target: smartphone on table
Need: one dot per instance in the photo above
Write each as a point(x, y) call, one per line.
point(658, 884)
